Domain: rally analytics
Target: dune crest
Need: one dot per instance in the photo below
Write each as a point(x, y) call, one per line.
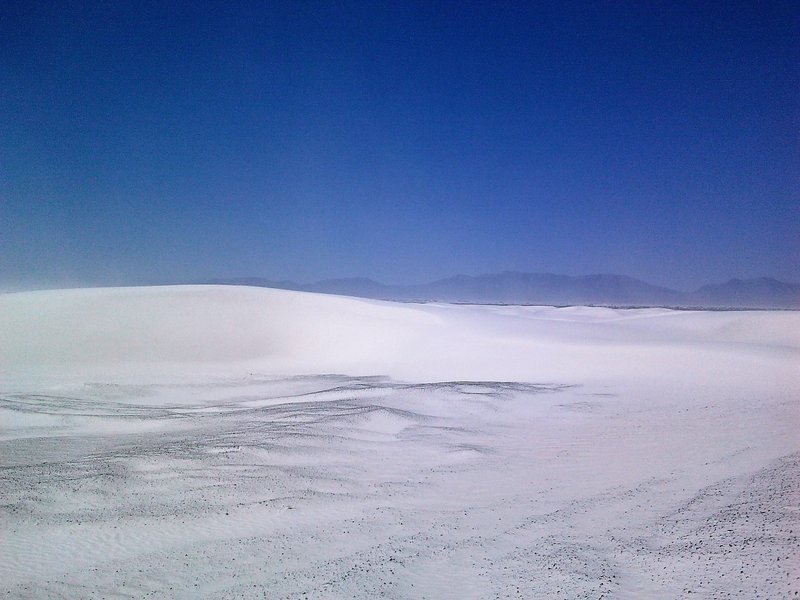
point(242, 329)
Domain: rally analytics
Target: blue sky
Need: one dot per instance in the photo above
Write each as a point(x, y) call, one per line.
point(403, 141)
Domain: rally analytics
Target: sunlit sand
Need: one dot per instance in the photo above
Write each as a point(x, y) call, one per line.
point(232, 442)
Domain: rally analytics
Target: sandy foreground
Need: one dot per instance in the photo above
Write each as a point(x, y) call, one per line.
point(224, 442)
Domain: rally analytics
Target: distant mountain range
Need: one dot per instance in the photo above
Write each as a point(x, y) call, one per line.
point(548, 288)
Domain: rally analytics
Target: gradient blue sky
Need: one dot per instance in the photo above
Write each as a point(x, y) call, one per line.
point(403, 141)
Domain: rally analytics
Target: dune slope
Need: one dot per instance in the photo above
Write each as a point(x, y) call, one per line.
point(221, 442)
point(241, 329)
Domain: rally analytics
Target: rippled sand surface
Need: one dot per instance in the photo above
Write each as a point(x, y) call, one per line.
point(118, 483)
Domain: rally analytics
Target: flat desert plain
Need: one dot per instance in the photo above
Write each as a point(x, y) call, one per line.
point(233, 442)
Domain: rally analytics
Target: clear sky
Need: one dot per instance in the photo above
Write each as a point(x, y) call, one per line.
point(402, 141)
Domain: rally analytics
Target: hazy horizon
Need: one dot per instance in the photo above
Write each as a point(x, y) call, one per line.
point(73, 284)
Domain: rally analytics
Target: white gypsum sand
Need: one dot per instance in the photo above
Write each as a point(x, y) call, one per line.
point(224, 442)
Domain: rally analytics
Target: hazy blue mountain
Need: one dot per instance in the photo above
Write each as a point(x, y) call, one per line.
point(761, 292)
point(357, 286)
point(548, 288)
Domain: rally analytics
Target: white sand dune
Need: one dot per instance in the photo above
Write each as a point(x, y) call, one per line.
point(224, 442)
point(236, 330)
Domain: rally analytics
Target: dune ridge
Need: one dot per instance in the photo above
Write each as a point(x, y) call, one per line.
point(243, 329)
